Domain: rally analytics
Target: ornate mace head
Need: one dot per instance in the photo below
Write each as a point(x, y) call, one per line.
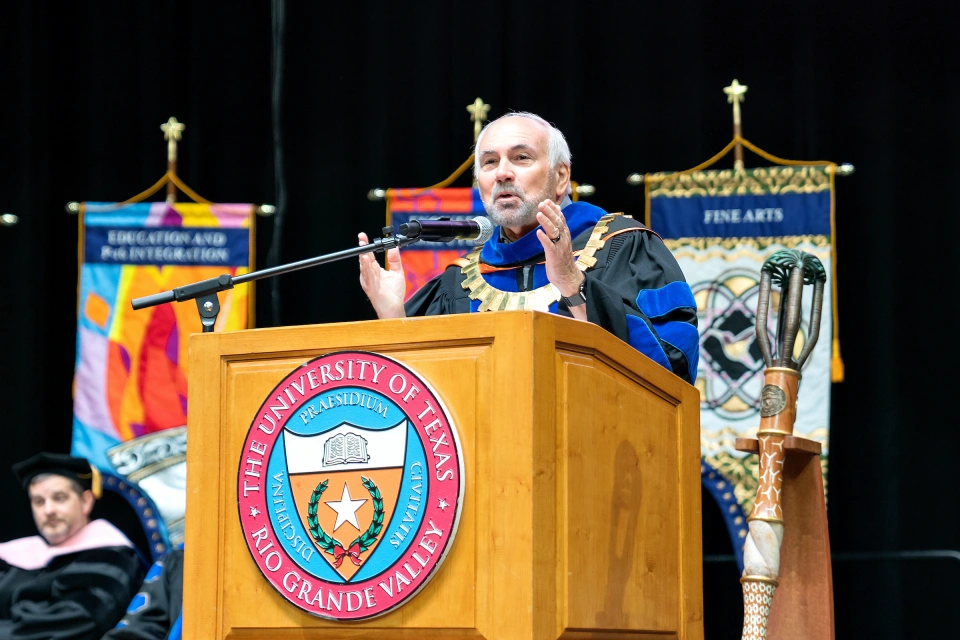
point(790, 270)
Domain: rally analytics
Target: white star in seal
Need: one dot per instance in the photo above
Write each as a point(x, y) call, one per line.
point(346, 509)
point(443, 504)
point(253, 512)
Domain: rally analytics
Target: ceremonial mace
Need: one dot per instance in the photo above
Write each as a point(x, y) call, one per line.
point(790, 270)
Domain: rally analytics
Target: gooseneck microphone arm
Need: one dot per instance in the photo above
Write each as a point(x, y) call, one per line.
point(205, 291)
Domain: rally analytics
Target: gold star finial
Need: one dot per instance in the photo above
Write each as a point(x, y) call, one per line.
point(172, 133)
point(735, 95)
point(478, 115)
point(172, 129)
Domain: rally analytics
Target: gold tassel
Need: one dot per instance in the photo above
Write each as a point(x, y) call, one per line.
point(96, 482)
point(836, 363)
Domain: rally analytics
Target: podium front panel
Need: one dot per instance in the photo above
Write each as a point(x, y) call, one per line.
point(622, 570)
point(580, 514)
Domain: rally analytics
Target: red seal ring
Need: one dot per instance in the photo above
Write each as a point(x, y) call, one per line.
point(350, 485)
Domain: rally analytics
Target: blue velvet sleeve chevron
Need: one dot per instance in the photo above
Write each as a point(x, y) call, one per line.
point(155, 612)
point(649, 334)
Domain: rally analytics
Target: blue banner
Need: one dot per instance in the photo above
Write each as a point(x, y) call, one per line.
point(749, 216)
point(184, 246)
point(130, 385)
point(721, 226)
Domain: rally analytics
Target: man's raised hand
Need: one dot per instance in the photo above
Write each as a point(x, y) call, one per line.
point(554, 235)
point(384, 287)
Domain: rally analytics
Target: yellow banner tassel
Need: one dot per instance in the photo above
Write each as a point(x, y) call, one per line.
point(836, 363)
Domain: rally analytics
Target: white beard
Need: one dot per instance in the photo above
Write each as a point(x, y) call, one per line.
point(512, 214)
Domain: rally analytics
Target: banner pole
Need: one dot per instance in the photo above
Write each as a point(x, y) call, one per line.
point(172, 133)
point(735, 95)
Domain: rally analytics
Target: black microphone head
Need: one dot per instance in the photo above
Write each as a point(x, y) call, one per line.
point(475, 231)
point(411, 228)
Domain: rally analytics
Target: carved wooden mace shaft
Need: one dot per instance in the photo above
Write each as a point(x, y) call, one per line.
point(790, 270)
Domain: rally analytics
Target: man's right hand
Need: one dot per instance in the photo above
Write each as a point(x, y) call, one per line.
point(385, 287)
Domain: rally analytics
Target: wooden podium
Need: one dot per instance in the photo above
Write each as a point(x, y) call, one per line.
point(581, 509)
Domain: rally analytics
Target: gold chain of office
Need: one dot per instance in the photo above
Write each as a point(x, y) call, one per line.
point(540, 299)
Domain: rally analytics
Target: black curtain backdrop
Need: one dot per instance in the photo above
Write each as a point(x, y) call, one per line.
point(373, 94)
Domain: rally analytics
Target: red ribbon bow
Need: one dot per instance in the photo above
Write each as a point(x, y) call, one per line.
point(339, 552)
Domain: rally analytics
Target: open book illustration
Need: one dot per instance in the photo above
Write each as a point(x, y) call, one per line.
point(345, 448)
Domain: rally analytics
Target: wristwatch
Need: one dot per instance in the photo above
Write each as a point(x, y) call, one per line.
point(578, 298)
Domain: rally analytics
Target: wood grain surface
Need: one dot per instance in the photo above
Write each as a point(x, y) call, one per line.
point(581, 514)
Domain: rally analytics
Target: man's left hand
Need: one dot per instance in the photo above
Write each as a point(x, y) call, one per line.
point(557, 243)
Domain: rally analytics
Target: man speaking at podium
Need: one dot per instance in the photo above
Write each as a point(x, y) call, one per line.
point(632, 286)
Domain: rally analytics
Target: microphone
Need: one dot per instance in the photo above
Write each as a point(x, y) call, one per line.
point(479, 229)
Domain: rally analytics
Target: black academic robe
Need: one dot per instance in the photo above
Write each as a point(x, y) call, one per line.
point(78, 596)
point(636, 291)
point(155, 611)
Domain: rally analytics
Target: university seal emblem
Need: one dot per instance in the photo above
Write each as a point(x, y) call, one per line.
point(350, 485)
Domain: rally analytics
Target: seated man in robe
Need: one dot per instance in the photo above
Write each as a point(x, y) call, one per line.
point(75, 579)
point(155, 613)
point(552, 254)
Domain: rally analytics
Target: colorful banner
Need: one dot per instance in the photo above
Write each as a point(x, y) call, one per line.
point(424, 260)
point(130, 383)
point(721, 226)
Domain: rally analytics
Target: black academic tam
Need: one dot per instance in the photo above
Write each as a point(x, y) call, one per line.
point(60, 464)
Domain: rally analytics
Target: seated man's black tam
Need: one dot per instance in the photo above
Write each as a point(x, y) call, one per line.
point(61, 464)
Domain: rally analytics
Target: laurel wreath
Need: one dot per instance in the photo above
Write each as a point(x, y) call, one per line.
point(365, 539)
point(325, 542)
point(368, 537)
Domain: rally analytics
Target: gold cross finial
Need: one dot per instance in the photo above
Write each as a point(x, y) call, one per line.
point(172, 131)
point(735, 95)
point(478, 115)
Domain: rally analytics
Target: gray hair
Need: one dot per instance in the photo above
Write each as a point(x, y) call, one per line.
point(558, 151)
